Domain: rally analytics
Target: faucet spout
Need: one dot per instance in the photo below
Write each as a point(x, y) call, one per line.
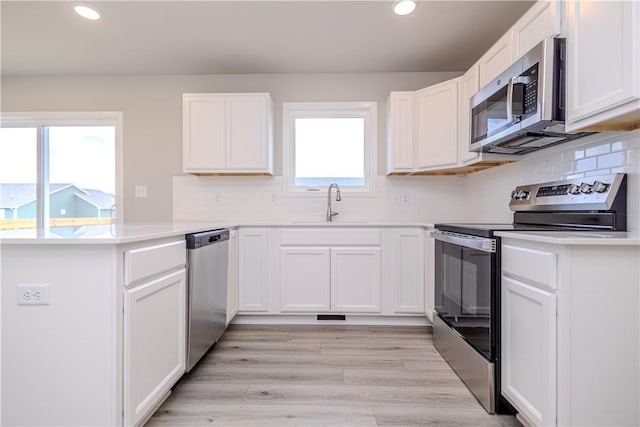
point(330, 212)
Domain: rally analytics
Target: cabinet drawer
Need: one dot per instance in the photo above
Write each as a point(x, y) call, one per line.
point(151, 260)
point(330, 236)
point(532, 265)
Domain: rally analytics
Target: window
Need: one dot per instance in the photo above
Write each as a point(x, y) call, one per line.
point(326, 142)
point(59, 172)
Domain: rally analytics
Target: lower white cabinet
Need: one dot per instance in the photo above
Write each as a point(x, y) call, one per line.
point(529, 350)
point(408, 270)
point(571, 332)
point(253, 269)
point(232, 278)
point(154, 343)
point(355, 280)
point(305, 279)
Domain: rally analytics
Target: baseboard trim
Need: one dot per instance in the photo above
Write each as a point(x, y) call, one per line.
point(311, 319)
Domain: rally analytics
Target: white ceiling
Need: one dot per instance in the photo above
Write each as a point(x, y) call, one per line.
point(238, 37)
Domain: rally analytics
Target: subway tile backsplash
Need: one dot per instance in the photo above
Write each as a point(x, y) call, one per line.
point(478, 197)
point(599, 154)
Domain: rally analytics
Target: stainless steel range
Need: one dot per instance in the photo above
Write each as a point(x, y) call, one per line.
point(466, 326)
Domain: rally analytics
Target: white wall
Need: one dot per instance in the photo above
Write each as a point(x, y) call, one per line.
point(152, 107)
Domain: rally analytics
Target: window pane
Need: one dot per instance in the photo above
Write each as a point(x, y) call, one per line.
point(329, 150)
point(81, 177)
point(18, 176)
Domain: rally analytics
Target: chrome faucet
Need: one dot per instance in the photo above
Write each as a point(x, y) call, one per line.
point(330, 212)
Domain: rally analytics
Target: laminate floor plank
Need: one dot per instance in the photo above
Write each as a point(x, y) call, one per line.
point(323, 376)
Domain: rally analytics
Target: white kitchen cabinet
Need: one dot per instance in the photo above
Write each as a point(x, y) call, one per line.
point(253, 269)
point(437, 128)
point(429, 274)
point(469, 85)
point(228, 133)
point(603, 65)
point(232, 279)
point(545, 19)
point(567, 340)
point(529, 350)
point(305, 279)
point(408, 270)
point(355, 280)
point(328, 269)
point(497, 59)
point(154, 343)
point(400, 132)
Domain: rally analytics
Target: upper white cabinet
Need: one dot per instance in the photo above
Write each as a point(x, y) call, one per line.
point(400, 132)
point(603, 47)
point(227, 133)
point(437, 129)
point(469, 85)
point(545, 19)
point(497, 59)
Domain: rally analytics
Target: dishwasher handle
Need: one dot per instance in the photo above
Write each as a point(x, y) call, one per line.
point(206, 238)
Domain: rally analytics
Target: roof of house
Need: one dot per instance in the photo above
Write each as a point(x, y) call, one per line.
point(16, 195)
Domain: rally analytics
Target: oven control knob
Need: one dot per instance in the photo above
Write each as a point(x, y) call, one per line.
point(514, 194)
point(586, 188)
point(522, 195)
point(600, 187)
point(574, 189)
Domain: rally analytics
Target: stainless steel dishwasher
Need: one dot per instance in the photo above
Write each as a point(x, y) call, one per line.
point(207, 260)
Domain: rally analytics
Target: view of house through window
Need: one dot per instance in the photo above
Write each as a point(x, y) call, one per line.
point(78, 174)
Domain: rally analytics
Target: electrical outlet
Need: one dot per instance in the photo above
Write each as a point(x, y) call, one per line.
point(141, 191)
point(33, 294)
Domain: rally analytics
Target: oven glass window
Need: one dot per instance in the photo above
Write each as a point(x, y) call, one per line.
point(463, 292)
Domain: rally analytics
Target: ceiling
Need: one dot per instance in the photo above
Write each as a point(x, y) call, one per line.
point(240, 37)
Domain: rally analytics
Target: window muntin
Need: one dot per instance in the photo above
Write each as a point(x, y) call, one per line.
point(329, 142)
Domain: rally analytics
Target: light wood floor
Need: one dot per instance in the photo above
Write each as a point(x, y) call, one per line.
point(324, 376)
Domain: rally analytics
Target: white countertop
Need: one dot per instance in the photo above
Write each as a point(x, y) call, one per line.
point(128, 233)
point(601, 238)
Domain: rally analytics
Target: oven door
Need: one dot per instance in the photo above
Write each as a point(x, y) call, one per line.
point(465, 282)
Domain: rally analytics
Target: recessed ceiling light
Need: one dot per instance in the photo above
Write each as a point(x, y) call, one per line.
point(86, 11)
point(404, 7)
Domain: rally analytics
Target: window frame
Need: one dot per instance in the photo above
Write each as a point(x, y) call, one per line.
point(366, 110)
point(42, 120)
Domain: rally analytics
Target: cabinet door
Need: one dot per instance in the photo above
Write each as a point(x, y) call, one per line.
point(203, 138)
point(355, 280)
point(154, 343)
point(248, 132)
point(232, 283)
point(408, 271)
point(469, 85)
point(496, 60)
point(429, 274)
point(529, 350)
point(545, 19)
point(305, 279)
point(400, 129)
point(603, 49)
point(437, 143)
point(253, 270)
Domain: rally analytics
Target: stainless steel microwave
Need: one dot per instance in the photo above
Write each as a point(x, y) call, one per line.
point(523, 109)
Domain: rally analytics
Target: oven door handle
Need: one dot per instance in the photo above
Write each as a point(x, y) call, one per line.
point(483, 244)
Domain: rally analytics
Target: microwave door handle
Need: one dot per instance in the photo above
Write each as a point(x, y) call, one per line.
point(510, 100)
